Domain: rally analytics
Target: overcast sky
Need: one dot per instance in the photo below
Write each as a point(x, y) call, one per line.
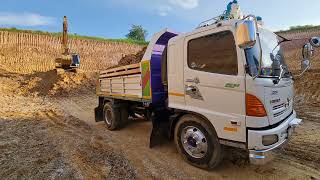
point(113, 18)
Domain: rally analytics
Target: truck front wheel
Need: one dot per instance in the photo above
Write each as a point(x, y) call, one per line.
point(111, 117)
point(197, 142)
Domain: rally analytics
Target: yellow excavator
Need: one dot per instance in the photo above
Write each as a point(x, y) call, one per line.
point(67, 61)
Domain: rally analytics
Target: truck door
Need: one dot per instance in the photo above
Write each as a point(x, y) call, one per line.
point(215, 81)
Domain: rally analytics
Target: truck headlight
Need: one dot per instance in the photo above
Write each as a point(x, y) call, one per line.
point(269, 139)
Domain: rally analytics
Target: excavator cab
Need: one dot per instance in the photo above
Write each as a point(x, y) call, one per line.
point(67, 61)
point(75, 61)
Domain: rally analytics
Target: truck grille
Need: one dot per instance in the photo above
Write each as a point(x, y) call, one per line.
point(278, 106)
point(279, 113)
point(280, 109)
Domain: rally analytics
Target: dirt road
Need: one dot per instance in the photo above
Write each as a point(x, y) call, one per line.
point(301, 159)
point(52, 136)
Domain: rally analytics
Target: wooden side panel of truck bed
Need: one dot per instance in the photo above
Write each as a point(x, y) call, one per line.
point(121, 82)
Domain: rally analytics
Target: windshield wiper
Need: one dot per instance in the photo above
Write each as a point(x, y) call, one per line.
point(280, 42)
point(283, 39)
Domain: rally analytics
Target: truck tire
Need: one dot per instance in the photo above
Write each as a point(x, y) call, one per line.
point(111, 117)
point(197, 142)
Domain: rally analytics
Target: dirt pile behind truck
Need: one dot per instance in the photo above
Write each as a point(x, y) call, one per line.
point(307, 88)
point(293, 49)
point(51, 84)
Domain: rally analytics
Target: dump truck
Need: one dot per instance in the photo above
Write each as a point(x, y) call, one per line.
point(226, 83)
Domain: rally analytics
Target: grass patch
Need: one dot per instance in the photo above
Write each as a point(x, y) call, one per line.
point(300, 28)
point(75, 36)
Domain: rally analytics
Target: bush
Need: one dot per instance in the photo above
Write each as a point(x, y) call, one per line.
point(137, 33)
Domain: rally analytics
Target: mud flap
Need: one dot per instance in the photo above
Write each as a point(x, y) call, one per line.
point(98, 114)
point(98, 111)
point(160, 127)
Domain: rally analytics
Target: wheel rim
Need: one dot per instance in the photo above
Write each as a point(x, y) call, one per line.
point(107, 116)
point(194, 142)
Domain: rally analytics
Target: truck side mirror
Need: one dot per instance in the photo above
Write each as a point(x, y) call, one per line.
point(246, 34)
point(315, 42)
point(305, 65)
point(307, 51)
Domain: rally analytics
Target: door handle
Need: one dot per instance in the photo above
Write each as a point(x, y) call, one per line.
point(191, 89)
point(193, 92)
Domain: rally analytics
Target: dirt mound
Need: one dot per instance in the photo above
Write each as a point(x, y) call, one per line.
point(46, 145)
point(73, 83)
point(292, 49)
point(132, 58)
point(49, 83)
point(38, 140)
point(307, 88)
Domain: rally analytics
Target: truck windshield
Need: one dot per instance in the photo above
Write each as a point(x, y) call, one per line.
point(272, 56)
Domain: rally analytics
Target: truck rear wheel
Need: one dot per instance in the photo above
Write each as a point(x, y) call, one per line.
point(197, 142)
point(111, 117)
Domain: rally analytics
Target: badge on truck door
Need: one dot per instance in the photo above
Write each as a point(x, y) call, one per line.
point(230, 85)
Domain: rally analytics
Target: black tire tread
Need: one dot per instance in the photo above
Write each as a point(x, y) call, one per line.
point(116, 117)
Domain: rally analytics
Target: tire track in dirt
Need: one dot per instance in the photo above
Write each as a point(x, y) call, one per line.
point(39, 141)
point(51, 145)
point(87, 151)
point(305, 143)
point(164, 162)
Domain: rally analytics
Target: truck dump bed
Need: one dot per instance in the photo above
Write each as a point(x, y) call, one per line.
point(122, 82)
point(138, 82)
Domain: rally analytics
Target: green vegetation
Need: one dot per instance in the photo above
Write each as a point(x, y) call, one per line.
point(75, 36)
point(137, 33)
point(301, 28)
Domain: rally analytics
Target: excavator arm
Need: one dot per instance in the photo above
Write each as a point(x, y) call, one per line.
point(65, 36)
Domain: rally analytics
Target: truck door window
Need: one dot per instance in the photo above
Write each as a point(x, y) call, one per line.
point(164, 74)
point(215, 53)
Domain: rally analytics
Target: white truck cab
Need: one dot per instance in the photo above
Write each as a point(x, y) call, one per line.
point(256, 114)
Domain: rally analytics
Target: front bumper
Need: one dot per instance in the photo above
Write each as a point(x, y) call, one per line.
point(260, 154)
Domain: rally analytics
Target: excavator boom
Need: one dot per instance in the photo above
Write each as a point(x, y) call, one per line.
point(65, 36)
